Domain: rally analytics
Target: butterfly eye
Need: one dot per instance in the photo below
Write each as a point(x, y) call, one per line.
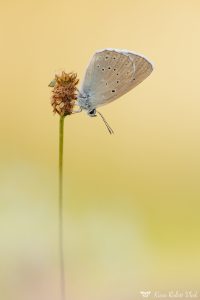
point(92, 113)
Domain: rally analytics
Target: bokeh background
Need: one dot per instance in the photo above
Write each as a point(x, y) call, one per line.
point(131, 201)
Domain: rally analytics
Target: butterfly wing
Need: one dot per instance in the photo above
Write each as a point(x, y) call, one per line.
point(112, 73)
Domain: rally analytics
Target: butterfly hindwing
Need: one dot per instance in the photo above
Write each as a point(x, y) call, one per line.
point(112, 73)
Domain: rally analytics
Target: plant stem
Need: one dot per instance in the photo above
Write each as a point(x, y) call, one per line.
point(61, 245)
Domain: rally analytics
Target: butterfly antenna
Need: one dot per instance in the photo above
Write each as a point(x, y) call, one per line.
point(106, 123)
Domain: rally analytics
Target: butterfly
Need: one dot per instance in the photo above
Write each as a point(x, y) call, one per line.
point(110, 74)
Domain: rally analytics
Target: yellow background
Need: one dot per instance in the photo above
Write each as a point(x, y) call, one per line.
point(132, 199)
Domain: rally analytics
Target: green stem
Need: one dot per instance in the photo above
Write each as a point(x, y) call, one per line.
point(61, 244)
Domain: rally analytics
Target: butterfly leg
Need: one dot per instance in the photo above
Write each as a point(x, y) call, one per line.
point(77, 111)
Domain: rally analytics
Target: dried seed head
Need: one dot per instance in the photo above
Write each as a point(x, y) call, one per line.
point(64, 93)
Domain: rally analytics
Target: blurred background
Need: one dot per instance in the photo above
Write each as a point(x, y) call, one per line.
point(131, 201)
